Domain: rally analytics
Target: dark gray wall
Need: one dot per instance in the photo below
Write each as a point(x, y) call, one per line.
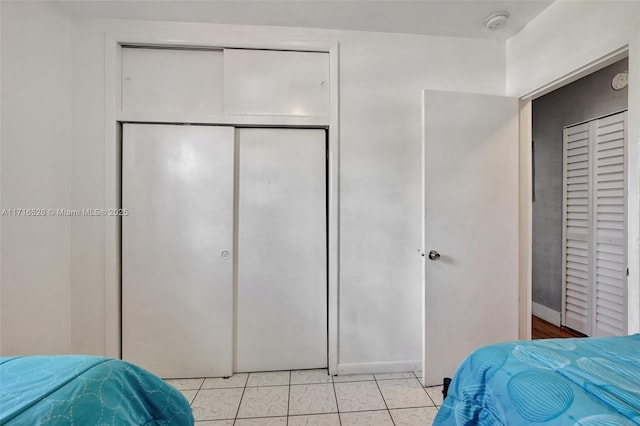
point(587, 98)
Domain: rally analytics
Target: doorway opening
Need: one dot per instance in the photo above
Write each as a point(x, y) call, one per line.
point(578, 197)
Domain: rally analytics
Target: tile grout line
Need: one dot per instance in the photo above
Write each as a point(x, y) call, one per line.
point(196, 394)
point(425, 390)
point(335, 395)
point(429, 396)
point(288, 398)
point(241, 396)
point(369, 411)
point(384, 400)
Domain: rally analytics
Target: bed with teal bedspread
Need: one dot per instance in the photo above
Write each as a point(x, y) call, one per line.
point(86, 390)
point(587, 382)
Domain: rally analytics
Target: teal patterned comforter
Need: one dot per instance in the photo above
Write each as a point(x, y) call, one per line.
point(587, 382)
point(86, 390)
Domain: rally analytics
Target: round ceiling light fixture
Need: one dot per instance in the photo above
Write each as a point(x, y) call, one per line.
point(496, 21)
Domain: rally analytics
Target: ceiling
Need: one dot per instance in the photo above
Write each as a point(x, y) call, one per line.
point(432, 17)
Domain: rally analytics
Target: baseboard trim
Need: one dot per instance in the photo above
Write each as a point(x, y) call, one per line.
point(379, 367)
point(545, 313)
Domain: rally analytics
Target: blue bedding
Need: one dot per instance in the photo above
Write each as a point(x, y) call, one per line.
point(587, 382)
point(86, 390)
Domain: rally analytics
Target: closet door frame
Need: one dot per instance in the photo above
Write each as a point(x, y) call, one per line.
point(176, 36)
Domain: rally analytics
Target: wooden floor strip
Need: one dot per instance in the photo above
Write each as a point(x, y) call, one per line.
point(542, 329)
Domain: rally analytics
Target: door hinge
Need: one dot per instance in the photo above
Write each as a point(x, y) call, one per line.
point(627, 271)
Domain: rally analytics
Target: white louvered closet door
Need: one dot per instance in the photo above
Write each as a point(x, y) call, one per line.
point(594, 214)
point(577, 228)
point(610, 257)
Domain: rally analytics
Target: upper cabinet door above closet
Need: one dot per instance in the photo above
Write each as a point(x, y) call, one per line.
point(168, 81)
point(271, 82)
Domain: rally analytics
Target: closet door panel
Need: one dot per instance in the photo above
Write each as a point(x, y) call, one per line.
point(177, 292)
point(282, 280)
point(172, 81)
point(595, 227)
point(577, 224)
point(610, 227)
point(271, 82)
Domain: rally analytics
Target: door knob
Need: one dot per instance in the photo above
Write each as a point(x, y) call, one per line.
point(434, 255)
point(225, 254)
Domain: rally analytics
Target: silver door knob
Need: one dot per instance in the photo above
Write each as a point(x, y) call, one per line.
point(225, 254)
point(434, 255)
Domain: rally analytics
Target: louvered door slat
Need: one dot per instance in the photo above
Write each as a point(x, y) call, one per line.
point(610, 296)
point(612, 283)
point(612, 152)
point(614, 168)
point(610, 176)
point(610, 184)
point(578, 179)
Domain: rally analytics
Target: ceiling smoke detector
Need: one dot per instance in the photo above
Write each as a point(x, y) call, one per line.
point(496, 21)
point(620, 81)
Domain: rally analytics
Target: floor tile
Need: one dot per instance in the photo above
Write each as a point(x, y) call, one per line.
point(315, 420)
point(238, 380)
point(185, 384)
point(216, 404)
point(404, 393)
point(269, 378)
point(352, 378)
point(435, 392)
point(189, 394)
point(215, 423)
point(414, 416)
point(303, 377)
point(312, 399)
point(366, 418)
point(270, 401)
point(264, 421)
point(359, 396)
point(388, 376)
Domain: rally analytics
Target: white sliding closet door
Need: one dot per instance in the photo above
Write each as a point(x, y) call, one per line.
point(177, 292)
point(282, 278)
point(595, 246)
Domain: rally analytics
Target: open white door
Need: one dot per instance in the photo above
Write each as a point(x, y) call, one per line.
point(470, 187)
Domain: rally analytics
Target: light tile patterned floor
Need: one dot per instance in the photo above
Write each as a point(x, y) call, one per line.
point(311, 398)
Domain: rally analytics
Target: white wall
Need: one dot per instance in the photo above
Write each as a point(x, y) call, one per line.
point(87, 233)
point(381, 77)
point(36, 156)
point(566, 37)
